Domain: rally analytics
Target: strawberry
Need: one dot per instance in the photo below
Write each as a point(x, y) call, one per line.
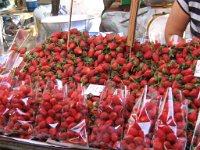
point(188, 78)
point(108, 58)
point(180, 60)
point(91, 52)
point(155, 57)
point(100, 58)
point(166, 58)
point(157, 145)
point(147, 55)
point(112, 45)
point(57, 108)
point(114, 137)
point(171, 137)
point(117, 78)
point(147, 73)
point(78, 51)
point(165, 50)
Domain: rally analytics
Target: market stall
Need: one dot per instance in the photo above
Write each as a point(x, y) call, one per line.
point(76, 89)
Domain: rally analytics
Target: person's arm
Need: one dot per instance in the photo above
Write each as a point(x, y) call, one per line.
point(176, 23)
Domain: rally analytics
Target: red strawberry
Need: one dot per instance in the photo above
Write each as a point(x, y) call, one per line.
point(180, 60)
point(117, 78)
point(99, 47)
point(78, 51)
point(147, 73)
point(114, 137)
point(108, 58)
point(57, 108)
point(121, 60)
point(171, 137)
point(166, 58)
point(186, 72)
point(192, 117)
point(155, 57)
point(188, 78)
point(132, 131)
point(147, 55)
point(91, 52)
point(106, 138)
point(157, 145)
point(100, 58)
point(49, 120)
point(165, 50)
point(112, 45)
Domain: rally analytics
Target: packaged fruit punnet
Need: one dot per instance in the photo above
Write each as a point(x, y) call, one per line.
point(195, 144)
point(22, 113)
point(170, 130)
point(140, 128)
point(48, 118)
point(108, 129)
point(74, 122)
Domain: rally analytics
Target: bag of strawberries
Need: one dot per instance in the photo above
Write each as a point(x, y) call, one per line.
point(170, 130)
point(74, 122)
point(48, 117)
point(195, 144)
point(140, 128)
point(22, 113)
point(6, 84)
point(108, 129)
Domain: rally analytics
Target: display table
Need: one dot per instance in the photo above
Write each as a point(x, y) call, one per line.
point(9, 143)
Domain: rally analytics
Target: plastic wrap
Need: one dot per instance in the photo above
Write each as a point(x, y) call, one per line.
point(74, 123)
point(22, 114)
point(170, 131)
point(108, 129)
point(48, 118)
point(140, 128)
point(195, 144)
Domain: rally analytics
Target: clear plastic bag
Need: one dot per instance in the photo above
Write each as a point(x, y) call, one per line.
point(195, 144)
point(108, 129)
point(22, 114)
point(92, 104)
point(48, 118)
point(140, 128)
point(170, 130)
point(6, 83)
point(74, 123)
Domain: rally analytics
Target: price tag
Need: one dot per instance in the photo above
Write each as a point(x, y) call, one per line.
point(197, 70)
point(94, 89)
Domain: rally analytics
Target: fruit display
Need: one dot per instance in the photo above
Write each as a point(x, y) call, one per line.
point(109, 120)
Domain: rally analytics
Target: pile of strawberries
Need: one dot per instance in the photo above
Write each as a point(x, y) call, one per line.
point(97, 59)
